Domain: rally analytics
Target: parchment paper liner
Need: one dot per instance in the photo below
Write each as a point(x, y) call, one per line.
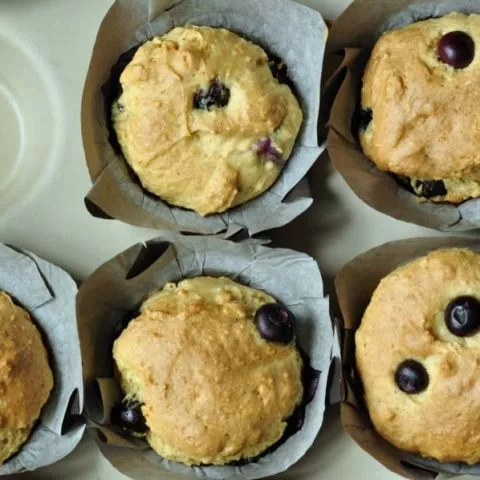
point(355, 284)
point(117, 194)
point(118, 287)
point(48, 293)
point(355, 32)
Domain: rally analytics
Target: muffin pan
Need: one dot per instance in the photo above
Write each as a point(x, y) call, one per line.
point(48, 46)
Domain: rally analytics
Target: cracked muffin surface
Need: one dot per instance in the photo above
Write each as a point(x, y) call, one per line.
point(203, 121)
point(25, 376)
point(418, 356)
point(211, 389)
point(420, 114)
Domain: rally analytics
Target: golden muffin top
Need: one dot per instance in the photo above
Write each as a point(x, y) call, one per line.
point(25, 376)
point(202, 121)
point(423, 100)
point(212, 389)
point(418, 355)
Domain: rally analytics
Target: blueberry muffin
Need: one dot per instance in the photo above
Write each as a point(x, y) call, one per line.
point(418, 355)
point(420, 116)
point(25, 376)
point(202, 120)
point(210, 371)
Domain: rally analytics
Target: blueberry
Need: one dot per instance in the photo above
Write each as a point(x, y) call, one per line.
point(216, 95)
point(431, 188)
point(411, 377)
point(366, 116)
point(278, 68)
point(129, 417)
point(462, 316)
point(310, 378)
point(456, 49)
point(266, 149)
point(275, 323)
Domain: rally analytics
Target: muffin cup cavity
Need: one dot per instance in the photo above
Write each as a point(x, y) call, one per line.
point(366, 271)
point(48, 294)
point(111, 296)
point(353, 35)
point(117, 192)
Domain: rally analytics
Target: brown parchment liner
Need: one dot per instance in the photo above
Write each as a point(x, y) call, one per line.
point(110, 297)
point(116, 191)
point(353, 35)
point(355, 285)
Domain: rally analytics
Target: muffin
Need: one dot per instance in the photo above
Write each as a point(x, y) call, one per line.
point(202, 120)
point(210, 371)
point(418, 356)
point(25, 376)
point(419, 107)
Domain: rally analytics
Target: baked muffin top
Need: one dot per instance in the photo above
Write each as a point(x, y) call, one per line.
point(202, 121)
point(420, 102)
point(25, 376)
point(212, 389)
point(418, 355)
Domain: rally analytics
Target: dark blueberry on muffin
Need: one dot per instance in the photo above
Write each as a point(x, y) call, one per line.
point(456, 49)
point(430, 188)
point(217, 95)
point(411, 377)
point(129, 417)
point(462, 316)
point(275, 322)
point(278, 68)
point(266, 149)
point(365, 117)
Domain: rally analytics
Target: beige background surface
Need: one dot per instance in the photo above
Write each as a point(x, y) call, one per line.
point(49, 43)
